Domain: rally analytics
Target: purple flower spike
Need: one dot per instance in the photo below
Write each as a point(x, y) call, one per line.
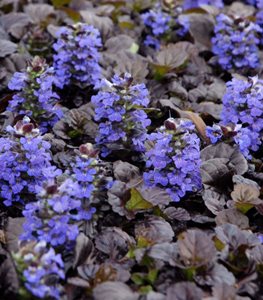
point(77, 56)
point(174, 161)
point(243, 105)
point(119, 110)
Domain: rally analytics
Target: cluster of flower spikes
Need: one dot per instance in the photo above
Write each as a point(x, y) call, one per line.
point(243, 105)
point(41, 269)
point(159, 23)
point(25, 162)
point(236, 43)
point(54, 217)
point(77, 56)
point(36, 97)
point(119, 110)
point(188, 4)
point(174, 161)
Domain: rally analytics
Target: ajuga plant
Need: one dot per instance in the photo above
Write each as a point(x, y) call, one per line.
point(25, 162)
point(84, 172)
point(77, 56)
point(40, 270)
point(236, 43)
point(119, 109)
point(92, 175)
point(54, 217)
point(243, 105)
point(157, 23)
point(188, 4)
point(35, 95)
point(160, 23)
point(173, 162)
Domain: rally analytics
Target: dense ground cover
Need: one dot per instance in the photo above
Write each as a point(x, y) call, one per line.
point(131, 149)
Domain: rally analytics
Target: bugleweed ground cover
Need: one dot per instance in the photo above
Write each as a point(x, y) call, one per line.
point(131, 150)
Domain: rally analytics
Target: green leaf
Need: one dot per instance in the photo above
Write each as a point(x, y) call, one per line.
point(145, 289)
point(197, 10)
point(127, 25)
point(160, 71)
point(74, 133)
point(189, 273)
point(218, 244)
point(138, 278)
point(152, 275)
point(73, 14)
point(130, 254)
point(60, 3)
point(137, 202)
point(134, 48)
point(142, 242)
point(244, 207)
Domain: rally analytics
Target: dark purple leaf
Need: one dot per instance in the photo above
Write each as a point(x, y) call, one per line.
point(196, 248)
point(9, 282)
point(134, 64)
point(233, 237)
point(83, 249)
point(256, 254)
point(245, 197)
point(77, 124)
point(15, 23)
point(39, 12)
point(225, 291)
point(220, 162)
point(224, 151)
point(214, 200)
point(114, 242)
point(7, 48)
point(179, 214)
point(215, 275)
point(184, 291)
point(170, 58)
point(103, 23)
point(13, 230)
point(154, 195)
point(124, 171)
point(154, 230)
point(164, 251)
point(201, 28)
point(232, 216)
point(243, 9)
point(113, 291)
point(155, 296)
